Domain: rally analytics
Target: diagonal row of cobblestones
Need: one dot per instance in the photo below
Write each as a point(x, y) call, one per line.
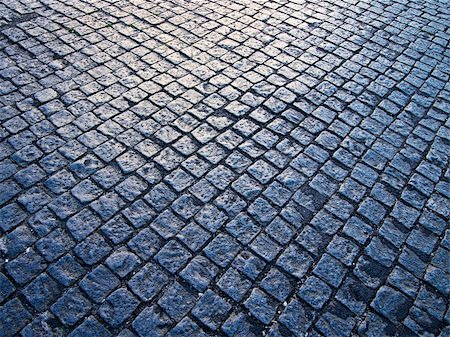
point(224, 168)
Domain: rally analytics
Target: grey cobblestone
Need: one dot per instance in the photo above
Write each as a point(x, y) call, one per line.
point(211, 309)
point(224, 168)
point(71, 307)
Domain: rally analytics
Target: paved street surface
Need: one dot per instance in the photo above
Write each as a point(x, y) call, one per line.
point(224, 168)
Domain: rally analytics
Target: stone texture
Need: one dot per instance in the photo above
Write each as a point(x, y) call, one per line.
point(227, 168)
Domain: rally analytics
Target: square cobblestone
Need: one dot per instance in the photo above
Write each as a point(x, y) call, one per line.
point(239, 168)
point(211, 309)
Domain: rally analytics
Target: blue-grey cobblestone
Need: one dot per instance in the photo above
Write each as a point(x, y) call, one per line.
point(224, 168)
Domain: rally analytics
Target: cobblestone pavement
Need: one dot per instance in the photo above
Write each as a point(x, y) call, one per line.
point(224, 168)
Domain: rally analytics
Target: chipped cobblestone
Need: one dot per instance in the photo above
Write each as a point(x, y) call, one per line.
point(224, 168)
